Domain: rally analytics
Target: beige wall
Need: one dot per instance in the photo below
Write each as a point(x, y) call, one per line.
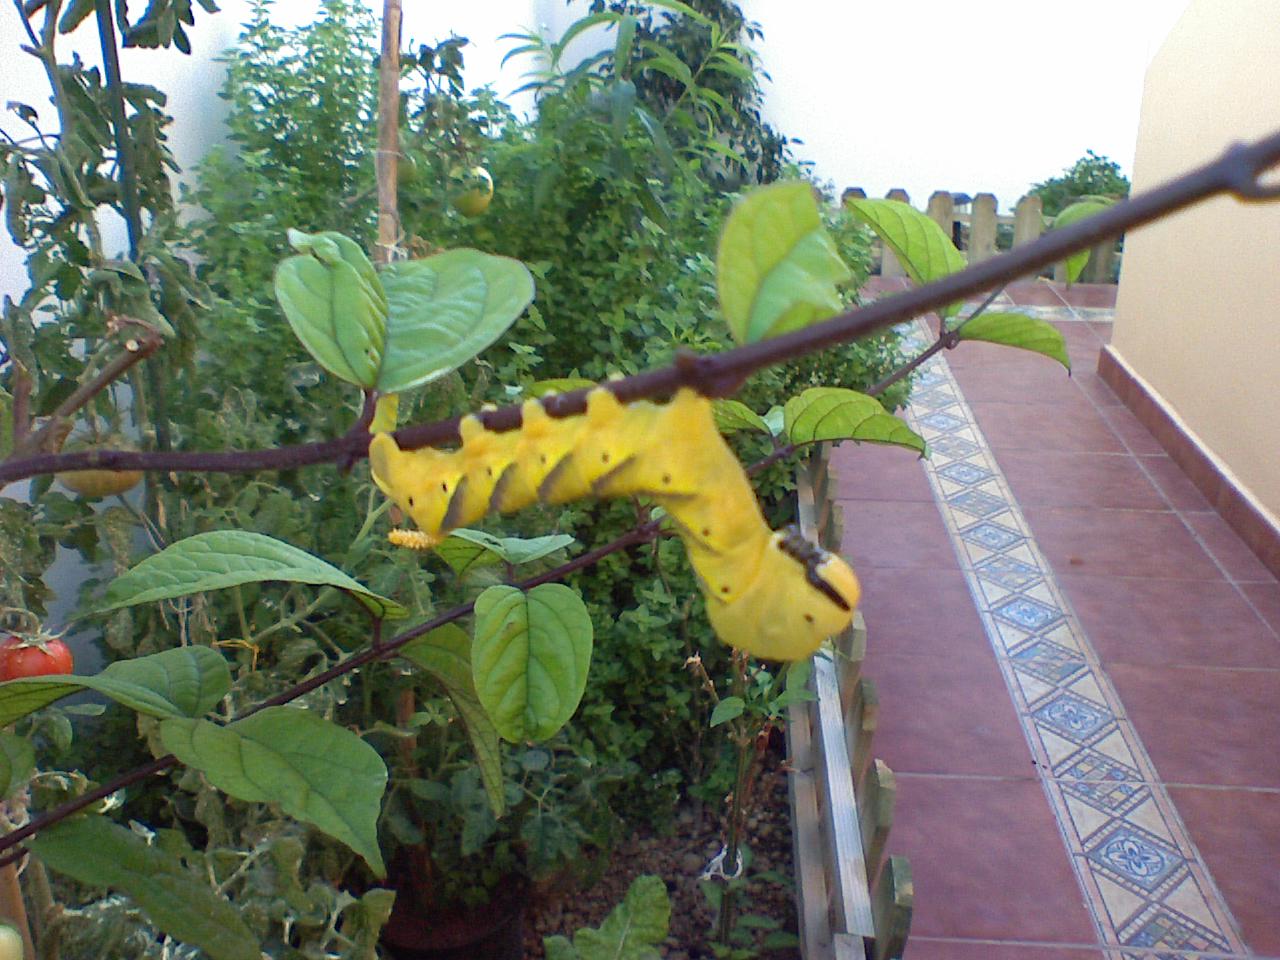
point(1198, 314)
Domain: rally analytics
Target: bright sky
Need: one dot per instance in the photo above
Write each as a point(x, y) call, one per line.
point(986, 95)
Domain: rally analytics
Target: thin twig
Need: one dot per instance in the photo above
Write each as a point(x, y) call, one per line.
point(720, 374)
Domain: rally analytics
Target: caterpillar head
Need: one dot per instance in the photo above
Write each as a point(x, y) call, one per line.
point(421, 482)
point(801, 596)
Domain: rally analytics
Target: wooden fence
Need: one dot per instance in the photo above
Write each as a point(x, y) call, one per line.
point(853, 902)
point(980, 232)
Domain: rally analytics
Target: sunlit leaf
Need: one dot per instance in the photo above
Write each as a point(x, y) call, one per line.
point(335, 304)
point(1017, 330)
point(1076, 212)
point(834, 413)
point(444, 310)
point(530, 658)
point(924, 250)
point(777, 267)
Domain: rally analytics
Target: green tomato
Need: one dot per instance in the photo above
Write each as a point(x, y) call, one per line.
point(10, 943)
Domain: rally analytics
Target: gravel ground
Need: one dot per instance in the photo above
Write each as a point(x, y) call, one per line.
point(679, 857)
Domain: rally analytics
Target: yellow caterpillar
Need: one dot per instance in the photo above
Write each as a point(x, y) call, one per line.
point(769, 593)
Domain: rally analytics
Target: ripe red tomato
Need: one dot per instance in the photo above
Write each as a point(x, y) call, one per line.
point(34, 658)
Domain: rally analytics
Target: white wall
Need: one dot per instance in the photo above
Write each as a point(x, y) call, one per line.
point(1196, 311)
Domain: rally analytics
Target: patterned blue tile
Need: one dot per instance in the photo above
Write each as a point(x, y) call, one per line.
point(1048, 661)
point(1026, 613)
point(966, 473)
point(956, 447)
point(1073, 717)
point(1101, 782)
point(932, 399)
point(1135, 856)
point(1010, 573)
point(1160, 926)
point(925, 379)
point(942, 422)
point(992, 536)
point(977, 503)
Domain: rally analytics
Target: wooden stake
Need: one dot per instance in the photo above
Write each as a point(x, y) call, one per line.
point(388, 133)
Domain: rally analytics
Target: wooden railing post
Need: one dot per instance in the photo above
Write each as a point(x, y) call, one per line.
point(942, 211)
point(982, 228)
point(889, 265)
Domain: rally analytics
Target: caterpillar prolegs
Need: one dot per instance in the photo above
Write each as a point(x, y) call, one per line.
point(769, 593)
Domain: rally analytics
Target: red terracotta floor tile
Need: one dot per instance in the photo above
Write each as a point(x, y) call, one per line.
point(1047, 479)
point(878, 286)
point(1203, 725)
point(1173, 483)
point(1130, 430)
point(884, 533)
point(1119, 543)
point(1238, 833)
point(1266, 598)
point(920, 612)
point(948, 715)
point(987, 861)
point(870, 471)
point(1170, 622)
point(919, 948)
point(1033, 293)
point(1073, 426)
point(1090, 294)
point(1227, 548)
point(1095, 388)
point(1034, 380)
point(1103, 329)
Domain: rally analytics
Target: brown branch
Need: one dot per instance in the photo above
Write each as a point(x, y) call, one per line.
point(720, 374)
point(134, 351)
point(21, 403)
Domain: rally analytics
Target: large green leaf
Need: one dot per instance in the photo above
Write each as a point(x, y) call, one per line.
point(227, 558)
point(530, 658)
point(445, 309)
point(335, 304)
point(465, 550)
point(17, 761)
point(920, 245)
point(1017, 330)
point(446, 655)
point(184, 682)
point(315, 770)
point(1076, 212)
point(633, 930)
point(776, 266)
point(99, 853)
point(834, 413)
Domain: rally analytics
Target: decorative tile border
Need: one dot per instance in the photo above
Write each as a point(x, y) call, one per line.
point(1144, 882)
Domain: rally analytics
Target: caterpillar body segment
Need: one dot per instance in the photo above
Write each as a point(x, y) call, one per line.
point(771, 594)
